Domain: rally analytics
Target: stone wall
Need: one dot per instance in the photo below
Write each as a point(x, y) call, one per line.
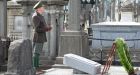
point(13, 10)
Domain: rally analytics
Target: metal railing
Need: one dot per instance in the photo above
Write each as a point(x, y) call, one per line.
point(101, 54)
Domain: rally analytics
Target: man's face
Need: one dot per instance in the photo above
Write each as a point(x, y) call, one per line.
point(41, 10)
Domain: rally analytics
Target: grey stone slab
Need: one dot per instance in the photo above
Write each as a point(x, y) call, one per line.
point(20, 58)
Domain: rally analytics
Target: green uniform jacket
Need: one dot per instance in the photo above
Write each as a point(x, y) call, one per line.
point(39, 25)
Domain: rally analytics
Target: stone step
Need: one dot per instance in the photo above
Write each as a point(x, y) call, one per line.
point(3, 68)
point(45, 67)
point(62, 66)
point(46, 62)
point(42, 54)
point(59, 60)
point(44, 58)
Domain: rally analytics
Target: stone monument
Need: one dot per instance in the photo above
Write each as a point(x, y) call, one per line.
point(73, 40)
point(20, 58)
point(57, 15)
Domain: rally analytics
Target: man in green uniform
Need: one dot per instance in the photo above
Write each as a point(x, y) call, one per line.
point(40, 32)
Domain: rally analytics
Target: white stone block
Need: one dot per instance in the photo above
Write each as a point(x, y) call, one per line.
point(82, 64)
point(138, 73)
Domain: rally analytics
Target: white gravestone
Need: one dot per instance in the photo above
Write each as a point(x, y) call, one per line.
point(82, 64)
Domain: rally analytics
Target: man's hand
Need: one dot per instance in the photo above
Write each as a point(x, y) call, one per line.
point(48, 28)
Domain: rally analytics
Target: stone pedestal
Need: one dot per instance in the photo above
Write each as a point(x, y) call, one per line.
point(73, 42)
point(20, 58)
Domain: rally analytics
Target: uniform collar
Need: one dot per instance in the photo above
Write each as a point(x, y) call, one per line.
point(38, 13)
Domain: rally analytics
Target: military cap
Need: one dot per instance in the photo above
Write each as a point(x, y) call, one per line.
point(38, 5)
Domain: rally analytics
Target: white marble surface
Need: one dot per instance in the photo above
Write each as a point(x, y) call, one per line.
point(82, 64)
point(114, 70)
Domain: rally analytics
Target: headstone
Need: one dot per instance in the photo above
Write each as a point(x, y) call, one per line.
point(20, 58)
point(82, 64)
